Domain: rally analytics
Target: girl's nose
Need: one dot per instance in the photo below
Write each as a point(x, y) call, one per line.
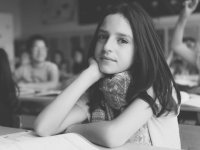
point(109, 44)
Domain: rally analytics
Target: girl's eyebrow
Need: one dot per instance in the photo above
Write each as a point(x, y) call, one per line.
point(119, 34)
point(101, 30)
point(125, 35)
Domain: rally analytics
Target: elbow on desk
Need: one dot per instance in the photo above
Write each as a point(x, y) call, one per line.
point(113, 143)
point(41, 130)
point(112, 140)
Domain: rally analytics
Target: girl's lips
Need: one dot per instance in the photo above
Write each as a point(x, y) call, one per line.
point(108, 58)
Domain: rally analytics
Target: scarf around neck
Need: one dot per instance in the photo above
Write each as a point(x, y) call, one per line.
point(114, 90)
point(113, 103)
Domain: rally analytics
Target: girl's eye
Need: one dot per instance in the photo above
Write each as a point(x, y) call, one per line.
point(122, 41)
point(102, 37)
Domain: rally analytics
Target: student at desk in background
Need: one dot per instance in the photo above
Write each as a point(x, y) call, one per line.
point(8, 98)
point(39, 74)
point(23, 59)
point(129, 87)
point(189, 50)
point(78, 61)
point(179, 66)
point(63, 65)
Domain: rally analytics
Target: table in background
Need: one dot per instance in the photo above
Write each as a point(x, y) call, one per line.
point(190, 109)
point(9, 130)
point(31, 106)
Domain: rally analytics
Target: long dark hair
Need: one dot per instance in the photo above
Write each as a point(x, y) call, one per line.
point(8, 88)
point(32, 39)
point(149, 68)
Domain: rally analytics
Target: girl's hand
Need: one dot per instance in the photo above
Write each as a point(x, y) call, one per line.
point(94, 71)
point(189, 7)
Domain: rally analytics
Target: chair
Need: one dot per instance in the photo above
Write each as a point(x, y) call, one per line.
point(190, 137)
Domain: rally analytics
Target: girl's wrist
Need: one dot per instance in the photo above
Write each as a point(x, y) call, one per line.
point(69, 129)
point(72, 128)
point(93, 74)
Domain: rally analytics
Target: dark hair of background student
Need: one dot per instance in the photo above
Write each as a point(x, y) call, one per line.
point(31, 41)
point(8, 92)
point(149, 68)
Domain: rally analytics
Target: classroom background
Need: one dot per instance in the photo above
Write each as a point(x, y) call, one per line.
point(68, 26)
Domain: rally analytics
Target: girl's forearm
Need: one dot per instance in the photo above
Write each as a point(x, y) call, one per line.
point(100, 133)
point(94, 132)
point(52, 117)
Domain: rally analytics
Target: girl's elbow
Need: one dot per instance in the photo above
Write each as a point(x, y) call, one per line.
point(112, 140)
point(40, 130)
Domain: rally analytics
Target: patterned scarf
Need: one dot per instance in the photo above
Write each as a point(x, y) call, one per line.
point(114, 91)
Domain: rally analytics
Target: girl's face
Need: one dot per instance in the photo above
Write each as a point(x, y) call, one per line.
point(115, 48)
point(39, 51)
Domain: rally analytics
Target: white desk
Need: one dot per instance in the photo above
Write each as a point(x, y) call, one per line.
point(6, 131)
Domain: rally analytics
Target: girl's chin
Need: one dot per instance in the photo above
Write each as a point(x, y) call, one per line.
point(106, 70)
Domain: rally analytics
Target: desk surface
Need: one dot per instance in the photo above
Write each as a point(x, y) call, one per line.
point(190, 108)
point(9, 131)
point(33, 98)
point(190, 102)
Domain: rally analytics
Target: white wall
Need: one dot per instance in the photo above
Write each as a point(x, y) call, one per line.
point(12, 7)
point(7, 36)
point(32, 20)
point(27, 18)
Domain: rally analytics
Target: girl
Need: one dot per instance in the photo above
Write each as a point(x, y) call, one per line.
point(129, 86)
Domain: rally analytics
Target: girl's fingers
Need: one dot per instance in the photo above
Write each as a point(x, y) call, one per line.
point(94, 64)
point(92, 61)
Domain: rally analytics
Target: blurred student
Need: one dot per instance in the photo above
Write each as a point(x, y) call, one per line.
point(62, 64)
point(24, 59)
point(188, 49)
point(40, 74)
point(180, 66)
point(8, 93)
point(78, 61)
point(58, 58)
